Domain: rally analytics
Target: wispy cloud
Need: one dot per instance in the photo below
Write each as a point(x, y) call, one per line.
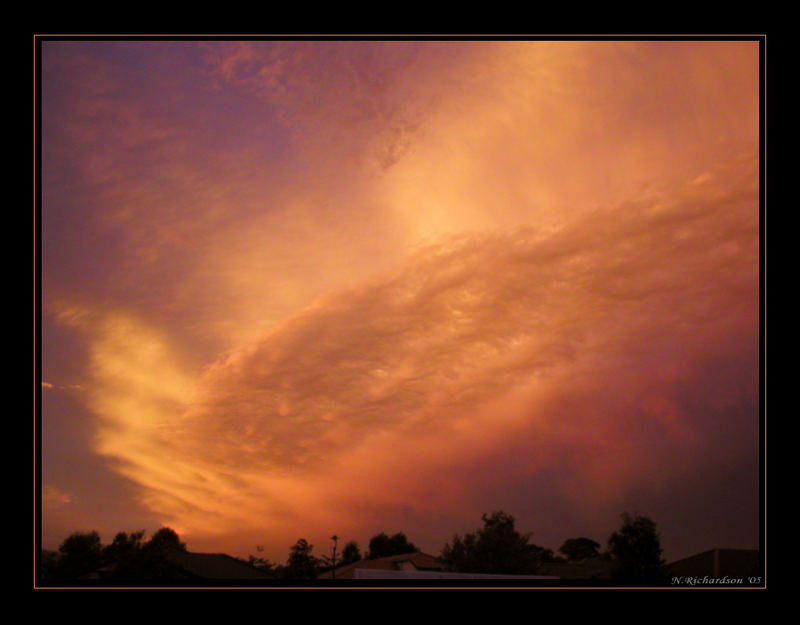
point(588, 341)
point(329, 283)
point(54, 498)
point(69, 387)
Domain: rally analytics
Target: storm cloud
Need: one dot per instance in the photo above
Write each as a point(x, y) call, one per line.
point(315, 287)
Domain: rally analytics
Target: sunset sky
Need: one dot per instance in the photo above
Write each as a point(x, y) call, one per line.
point(302, 288)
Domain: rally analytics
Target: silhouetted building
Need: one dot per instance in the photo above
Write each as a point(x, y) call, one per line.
point(736, 563)
point(589, 568)
point(409, 566)
point(214, 566)
point(404, 562)
point(186, 565)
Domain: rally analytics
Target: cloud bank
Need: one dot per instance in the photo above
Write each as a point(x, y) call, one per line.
point(600, 341)
point(327, 287)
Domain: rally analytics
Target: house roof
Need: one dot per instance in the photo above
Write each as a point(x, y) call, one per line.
point(417, 561)
point(214, 566)
point(589, 568)
point(719, 562)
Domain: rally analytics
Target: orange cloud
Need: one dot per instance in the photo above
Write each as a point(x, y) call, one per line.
point(421, 267)
point(371, 393)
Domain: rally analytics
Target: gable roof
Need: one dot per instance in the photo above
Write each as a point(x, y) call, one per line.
point(719, 562)
point(588, 568)
point(214, 566)
point(189, 565)
point(417, 561)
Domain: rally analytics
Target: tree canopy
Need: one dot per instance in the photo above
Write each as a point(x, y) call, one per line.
point(580, 549)
point(301, 563)
point(350, 553)
point(128, 557)
point(381, 546)
point(167, 537)
point(636, 550)
point(80, 554)
point(496, 548)
point(262, 563)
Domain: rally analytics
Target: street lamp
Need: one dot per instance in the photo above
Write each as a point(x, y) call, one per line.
point(335, 539)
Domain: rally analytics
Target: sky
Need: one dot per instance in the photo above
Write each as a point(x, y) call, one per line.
point(291, 289)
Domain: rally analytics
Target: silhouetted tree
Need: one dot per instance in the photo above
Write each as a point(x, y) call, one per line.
point(580, 549)
point(81, 553)
point(381, 546)
point(129, 558)
point(541, 554)
point(166, 537)
point(350, 553)
point(301, 564)
point(636, 551)
point(124, 555)
point(261, 563)
point(47, 564)
point(496, 548)
point(123, 545)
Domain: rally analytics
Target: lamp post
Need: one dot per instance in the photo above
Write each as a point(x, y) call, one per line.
point(335, 539)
